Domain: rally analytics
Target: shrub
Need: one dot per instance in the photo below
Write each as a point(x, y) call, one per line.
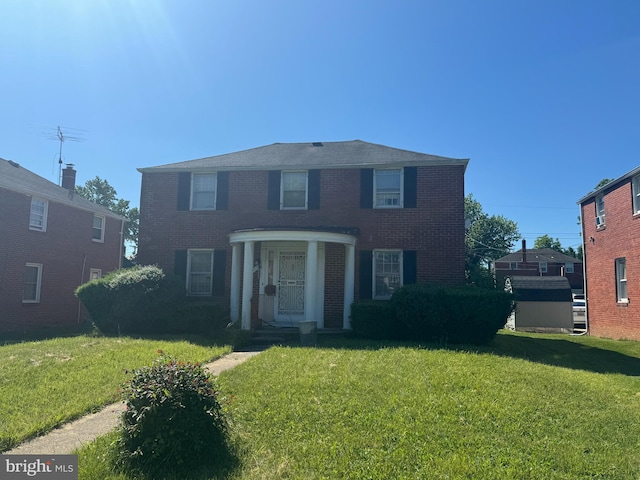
point(374, 319)
point(141, 299)
point(207, 318)
point(173, 419)
point(435, 313)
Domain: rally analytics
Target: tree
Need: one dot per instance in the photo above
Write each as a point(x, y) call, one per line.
point(603, 182)
point(545, 241)
point(487, 238)
point(101, 192)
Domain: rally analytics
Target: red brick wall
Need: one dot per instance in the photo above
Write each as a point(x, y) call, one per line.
point(66, 253)
point(619, 238)
point(435, 229)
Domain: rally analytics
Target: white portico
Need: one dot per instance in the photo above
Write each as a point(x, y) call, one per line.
point(290, 271)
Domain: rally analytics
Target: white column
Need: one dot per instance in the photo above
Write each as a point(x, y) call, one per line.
point(311, 281)
point(349, 284)
point(247, 286)
point(235, 283)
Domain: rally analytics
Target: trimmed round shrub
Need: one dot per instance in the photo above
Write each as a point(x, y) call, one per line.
point(173, 419)
point(142, 299)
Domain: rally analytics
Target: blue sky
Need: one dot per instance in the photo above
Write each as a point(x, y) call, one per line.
point(543, 96)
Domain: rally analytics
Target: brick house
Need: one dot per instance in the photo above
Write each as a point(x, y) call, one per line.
point(611, 243)
point(51, 241)
point(298, 231)
point(543, 262)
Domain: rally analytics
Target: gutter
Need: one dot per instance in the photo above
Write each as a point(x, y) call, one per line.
point(584, 277)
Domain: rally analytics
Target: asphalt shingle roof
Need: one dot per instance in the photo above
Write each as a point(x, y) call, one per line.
point(539, 255)
point(18, 179)
point(354, 153)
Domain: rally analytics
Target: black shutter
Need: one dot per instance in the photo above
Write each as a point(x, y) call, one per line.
point(273, 194)
point(222, 193)
point(313, 180)
point(409, 267)
point(366, 188)
point(180, 264)
point(366, 274)
point(184, 190)
point(410, 187)
point(219, 270)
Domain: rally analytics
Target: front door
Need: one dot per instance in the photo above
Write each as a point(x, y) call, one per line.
point(290, 268)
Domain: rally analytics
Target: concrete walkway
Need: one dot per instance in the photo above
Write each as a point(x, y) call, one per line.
point(71, 436)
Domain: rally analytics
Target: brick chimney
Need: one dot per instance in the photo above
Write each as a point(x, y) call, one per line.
point(524, 251)
point(69, 177)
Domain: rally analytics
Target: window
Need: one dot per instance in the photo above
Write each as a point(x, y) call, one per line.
point(95, 273)
point(199, 272)
point(203, 191)
point(621, 279)
point(98, 228)
point(513, 265)
point(600, 211)
point(568, 267)
point(294, 190)
point(387, 188)
point(32, 281)
point(387, 273)
point(636, 194)
point(38, 215)
point(543, 267)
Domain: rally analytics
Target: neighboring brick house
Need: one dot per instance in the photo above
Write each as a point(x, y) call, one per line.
point(611, 244)
point(51, 241)
point(543, 262)
point(298, 231)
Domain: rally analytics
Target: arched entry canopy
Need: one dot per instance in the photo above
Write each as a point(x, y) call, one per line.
point(291, 271)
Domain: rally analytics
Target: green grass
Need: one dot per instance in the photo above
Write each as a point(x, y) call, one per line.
point(46, 383)
point(528, 407)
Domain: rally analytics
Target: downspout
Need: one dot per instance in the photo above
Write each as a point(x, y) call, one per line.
point(584, 278)
point(84, 264)
point(122, 248)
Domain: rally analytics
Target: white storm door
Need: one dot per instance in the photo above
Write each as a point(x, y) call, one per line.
point(290, 268)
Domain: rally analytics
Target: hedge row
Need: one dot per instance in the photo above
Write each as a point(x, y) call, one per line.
point(434, 313)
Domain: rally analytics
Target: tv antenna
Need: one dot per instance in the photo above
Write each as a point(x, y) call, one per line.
point(72, 135)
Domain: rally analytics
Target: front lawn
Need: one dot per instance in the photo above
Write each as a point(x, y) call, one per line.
point(46, 383)
point(529, 407)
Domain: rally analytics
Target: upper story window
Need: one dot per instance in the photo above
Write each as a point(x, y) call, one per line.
point(600, 214)
point(387, 273)
point(98, 228)
point(636, 193)
point(32, 283)
point(387, 188)
point(568, 267)
point(543, 267)
point(199, 272)
point(203, 191)
point(38, 215)
point(621, 279)
point(513, 265)
point(294, 190)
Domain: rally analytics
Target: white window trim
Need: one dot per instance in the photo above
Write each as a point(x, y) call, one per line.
point(619, 280)
point(95, 273)
point(306, 190)
point(373, 268)
point(44, 216)
point(188, 283)
point(375, 188)
point(544, 267)
point(600, 212)
point(215, 191)
point(635, 189)
point(38, 283)
point(104, 225)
